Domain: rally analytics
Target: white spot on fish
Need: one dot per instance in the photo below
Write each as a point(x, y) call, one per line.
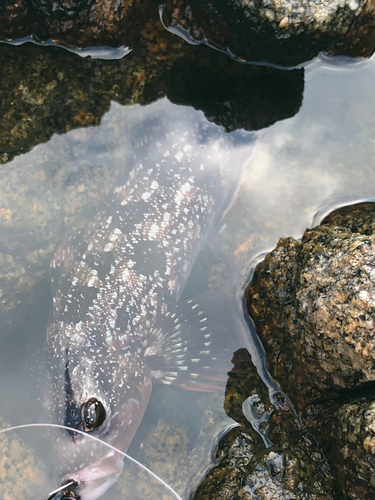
point(179, 156)
point(146, 196)
point(125, 275)
point(153, 232)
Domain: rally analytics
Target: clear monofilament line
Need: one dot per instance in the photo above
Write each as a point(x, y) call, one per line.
point(125, 455)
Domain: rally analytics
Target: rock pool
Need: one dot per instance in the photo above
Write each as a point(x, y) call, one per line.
point(302, 154)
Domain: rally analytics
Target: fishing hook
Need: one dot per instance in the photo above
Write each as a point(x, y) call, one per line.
point(70, 485)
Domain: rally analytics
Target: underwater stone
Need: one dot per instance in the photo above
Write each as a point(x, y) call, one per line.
point(163, 450)
point(20, 472)
point(313, 304)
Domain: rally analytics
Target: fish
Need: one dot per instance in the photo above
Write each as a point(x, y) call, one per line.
point(118, 325)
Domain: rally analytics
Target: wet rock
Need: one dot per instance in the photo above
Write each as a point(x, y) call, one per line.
point(348, 436)
point(74, 23)
point(48, 90)
point(300, 472)
point(359, 39)
point(280, 32)
point(297, 471)
point(274, 461)
point(239, 99)
point(313, 304)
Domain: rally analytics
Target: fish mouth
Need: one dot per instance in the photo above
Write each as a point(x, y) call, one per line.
point(95, 479)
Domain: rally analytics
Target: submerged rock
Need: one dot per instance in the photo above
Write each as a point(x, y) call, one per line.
point(21, 474)
point(313, 304)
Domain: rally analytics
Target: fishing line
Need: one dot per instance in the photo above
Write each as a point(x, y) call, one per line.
point(58, 426)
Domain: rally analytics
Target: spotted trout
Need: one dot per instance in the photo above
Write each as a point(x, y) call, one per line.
point(118, 324)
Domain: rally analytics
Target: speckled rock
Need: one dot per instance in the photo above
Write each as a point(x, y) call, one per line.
point(74, 23)
point(313, 304)
point(297, 471)
point(281, 31)
point(347, 434)
point(292, 467)
point(49, 90)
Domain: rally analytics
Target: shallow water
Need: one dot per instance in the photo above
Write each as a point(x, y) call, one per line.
point(292, 175)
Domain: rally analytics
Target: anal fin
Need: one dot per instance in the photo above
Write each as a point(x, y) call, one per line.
point(193, 346)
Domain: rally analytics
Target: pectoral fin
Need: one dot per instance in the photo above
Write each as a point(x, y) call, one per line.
point(193, 346)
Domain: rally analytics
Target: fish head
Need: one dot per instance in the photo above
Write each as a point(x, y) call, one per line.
point(104, 395)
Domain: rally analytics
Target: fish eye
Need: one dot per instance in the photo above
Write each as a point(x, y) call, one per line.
point(93, 414)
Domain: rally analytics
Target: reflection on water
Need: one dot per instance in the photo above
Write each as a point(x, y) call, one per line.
point(309, 164)
point(306, 165)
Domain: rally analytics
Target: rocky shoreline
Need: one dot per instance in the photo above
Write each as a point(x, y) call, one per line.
point(279, 32)
point(313, 306)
